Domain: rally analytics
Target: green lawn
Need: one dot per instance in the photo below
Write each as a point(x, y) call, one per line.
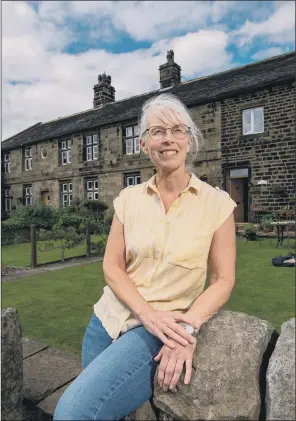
point(56, 307)
point(20, 254)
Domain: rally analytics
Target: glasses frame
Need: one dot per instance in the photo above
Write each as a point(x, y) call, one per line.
point(168, 128)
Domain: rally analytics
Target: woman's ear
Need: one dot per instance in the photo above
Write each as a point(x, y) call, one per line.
point(143, 146)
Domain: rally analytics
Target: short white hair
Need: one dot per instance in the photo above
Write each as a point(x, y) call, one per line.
point(168, 101)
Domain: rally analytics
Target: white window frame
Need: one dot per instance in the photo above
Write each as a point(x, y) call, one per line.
point(92, 189)
point(132, 140)
point(132, 179)
point(7, 199)
point(66, 152)
point(28, 159)
point(252, 111)
point(28, 195)
point(6, 162)
point(66, 193)
point(92, 149)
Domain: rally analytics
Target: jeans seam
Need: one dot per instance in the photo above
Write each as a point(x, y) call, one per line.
point(120, 386)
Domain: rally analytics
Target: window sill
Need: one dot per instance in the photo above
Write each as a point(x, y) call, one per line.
point(252, 136)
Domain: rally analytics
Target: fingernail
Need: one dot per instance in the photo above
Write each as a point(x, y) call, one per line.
point(165, 389)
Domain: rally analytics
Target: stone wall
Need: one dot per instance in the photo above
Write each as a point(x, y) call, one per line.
point(112, 164)
point(269, 155)
point(242, 369)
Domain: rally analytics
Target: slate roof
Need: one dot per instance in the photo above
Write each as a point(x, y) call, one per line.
point(198, 91)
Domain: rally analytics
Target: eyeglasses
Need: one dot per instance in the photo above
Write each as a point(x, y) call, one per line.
point(158, 133)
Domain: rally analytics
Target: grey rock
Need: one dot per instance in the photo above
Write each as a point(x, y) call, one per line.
point(31, 347)
point(48, 405)
point(146, 412)
point(11, 365)
point(280, 379)
point(226, 367)
point(47, 371)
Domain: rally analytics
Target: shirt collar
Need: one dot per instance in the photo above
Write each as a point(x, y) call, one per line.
point(194, 184)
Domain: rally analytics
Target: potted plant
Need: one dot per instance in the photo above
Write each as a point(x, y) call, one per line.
point(251, 231)
point(265, 223)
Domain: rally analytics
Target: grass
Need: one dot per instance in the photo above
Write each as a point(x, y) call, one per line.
point(20, 254)
point(55, 307)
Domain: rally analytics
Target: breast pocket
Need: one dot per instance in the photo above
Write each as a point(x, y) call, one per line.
point(192, 253)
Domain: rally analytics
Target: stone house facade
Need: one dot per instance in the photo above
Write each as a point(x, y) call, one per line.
point(247, 117)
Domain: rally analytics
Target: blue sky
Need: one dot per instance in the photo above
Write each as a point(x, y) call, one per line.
point(53, 51)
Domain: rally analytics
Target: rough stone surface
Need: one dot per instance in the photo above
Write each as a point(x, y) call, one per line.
point(49, 404)
point(146, 412)
point(280, 396)
point(226, 366)
point(11, 365)
point(48, 370)
point(31, 347)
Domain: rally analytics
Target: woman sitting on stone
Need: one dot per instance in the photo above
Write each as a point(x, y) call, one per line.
point(155, 266)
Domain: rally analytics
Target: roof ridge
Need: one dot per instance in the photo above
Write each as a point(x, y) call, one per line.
point(240, 67)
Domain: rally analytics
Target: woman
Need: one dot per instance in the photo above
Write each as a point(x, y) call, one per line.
point(155, 267)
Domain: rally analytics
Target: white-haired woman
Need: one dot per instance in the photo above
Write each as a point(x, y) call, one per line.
point(155, 265)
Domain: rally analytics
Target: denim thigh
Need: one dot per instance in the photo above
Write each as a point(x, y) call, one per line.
point(116, 382)
point(95, 341)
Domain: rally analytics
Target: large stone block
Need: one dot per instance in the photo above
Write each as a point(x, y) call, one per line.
point(280, 396)
point(11, 365)
point(226, 368)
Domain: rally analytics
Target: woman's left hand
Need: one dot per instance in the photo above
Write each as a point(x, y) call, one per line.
point(171, 365)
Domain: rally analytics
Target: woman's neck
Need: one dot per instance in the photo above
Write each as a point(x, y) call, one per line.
point(172, 183)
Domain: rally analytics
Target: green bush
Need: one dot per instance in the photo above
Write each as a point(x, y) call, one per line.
point(99, 246)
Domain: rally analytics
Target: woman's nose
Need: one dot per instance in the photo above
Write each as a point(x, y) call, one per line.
point(169, 137)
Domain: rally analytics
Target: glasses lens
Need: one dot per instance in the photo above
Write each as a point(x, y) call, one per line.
point(156, 133)
point(180, 131)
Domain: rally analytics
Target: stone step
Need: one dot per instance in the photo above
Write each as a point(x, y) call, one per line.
point(47, 371)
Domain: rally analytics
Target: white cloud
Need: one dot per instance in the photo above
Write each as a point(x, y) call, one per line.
point(65, 84)
point(42, 82)
point(278, 28)
point(268, 52)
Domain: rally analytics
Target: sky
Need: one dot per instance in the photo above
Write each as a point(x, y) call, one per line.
point(53, 51)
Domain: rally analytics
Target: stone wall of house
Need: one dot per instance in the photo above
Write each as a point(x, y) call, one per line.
point(47, 172)
point(269, 155)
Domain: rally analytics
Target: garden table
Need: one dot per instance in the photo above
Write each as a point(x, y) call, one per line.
point(280, 227)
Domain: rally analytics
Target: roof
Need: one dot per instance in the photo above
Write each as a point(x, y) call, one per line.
point(202, 90)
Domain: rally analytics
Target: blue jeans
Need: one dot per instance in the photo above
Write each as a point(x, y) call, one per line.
point(117, 377)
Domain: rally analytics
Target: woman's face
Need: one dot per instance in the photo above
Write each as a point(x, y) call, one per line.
point(167, 149)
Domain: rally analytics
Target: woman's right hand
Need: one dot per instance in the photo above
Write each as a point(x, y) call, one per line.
point(164, 325)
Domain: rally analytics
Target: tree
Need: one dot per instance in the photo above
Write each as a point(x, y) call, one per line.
point(60, 237)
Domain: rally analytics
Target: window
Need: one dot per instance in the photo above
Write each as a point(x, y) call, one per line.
point(66, 152)
point(92, 189)
point(7, 199)
point(28, 159)
point(132, 140)
point(132, 179)
point(6, 163)
point(66, 193)
point(253, 120)
point(28, 195)
point(91, 147)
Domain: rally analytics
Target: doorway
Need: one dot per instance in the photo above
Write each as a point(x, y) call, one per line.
point(45, 197)
point(238, 191)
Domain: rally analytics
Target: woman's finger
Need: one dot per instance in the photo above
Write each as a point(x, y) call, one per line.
point(158, 356)
point(161, 369)
point(173, 335)
point(168, 374)
point(178, 371)
point(170, 344)
point(188, 365)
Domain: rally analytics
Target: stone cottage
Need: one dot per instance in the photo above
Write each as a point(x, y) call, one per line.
point(247, 116)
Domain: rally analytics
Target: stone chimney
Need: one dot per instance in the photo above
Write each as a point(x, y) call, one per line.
point(103, 91)
point(170, 72)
